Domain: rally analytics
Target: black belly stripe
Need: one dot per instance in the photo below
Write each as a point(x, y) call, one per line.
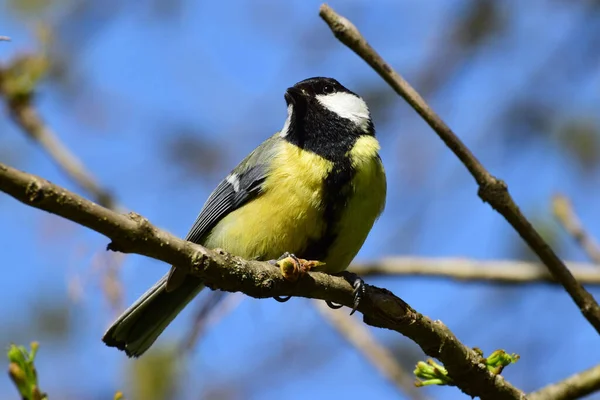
point(326, 134)
point(336, 194)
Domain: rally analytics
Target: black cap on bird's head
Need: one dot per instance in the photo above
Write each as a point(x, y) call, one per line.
point(316, 86)
point(323, 110)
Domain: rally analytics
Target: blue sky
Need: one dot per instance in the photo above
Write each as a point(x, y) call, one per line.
point(221, 68)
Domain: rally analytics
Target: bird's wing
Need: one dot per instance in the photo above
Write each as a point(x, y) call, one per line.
point(234, 191)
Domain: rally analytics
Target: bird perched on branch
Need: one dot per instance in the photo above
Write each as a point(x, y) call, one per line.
point(312, 191)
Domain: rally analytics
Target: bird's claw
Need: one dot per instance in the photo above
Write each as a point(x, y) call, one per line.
point(333, 305)
point(359, 290)
point(293, 268)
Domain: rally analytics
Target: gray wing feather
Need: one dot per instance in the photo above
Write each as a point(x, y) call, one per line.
point(249, 176)
point(225, 199)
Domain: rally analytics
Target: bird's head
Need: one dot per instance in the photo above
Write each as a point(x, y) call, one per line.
point(322, 109)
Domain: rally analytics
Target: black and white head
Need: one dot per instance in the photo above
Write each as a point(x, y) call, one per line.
point(324, 116)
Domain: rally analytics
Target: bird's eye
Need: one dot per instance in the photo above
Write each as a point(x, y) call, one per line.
point(327, 89)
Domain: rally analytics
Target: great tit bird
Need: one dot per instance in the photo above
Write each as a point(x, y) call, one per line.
point(313, 189)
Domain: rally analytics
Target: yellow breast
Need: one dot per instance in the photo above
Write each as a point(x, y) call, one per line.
point(363, 207)
point(289, 213)
point(285, 216)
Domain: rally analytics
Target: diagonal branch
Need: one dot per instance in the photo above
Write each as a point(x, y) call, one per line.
point(564, 213)
point(574, 387)
point(18, 81)
point(380, 308)
point(19, 104)
point(491, 190)
point(472, 270)
point(27, 117)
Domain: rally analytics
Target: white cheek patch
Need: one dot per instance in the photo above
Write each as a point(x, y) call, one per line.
point(286, 126)
point(234, 181)
point(348, 106)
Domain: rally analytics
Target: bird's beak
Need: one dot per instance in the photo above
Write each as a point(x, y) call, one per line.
point(293, 95)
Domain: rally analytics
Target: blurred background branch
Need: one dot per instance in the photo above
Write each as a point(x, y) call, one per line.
point(358, 335)
point(18, 81)
point(565, 214)
point(213, 307)
point(574, 387)
point(463, 269)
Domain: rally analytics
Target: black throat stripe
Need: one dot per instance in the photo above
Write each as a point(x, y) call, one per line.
point(331, 140)
point(318, 130)
point(337, 190)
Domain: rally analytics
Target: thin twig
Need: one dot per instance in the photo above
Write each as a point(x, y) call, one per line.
point(471, 270)
point(359, 336)
point(17, 83)
point(27, 117)
point(574, 387)
point(4, 39)
point(20, 107)
point(565, 214)
point(491, 190)
point(380, 308)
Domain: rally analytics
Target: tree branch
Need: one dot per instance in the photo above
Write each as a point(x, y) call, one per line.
point(566, 216)
point(380, 308)
point(574, 387)
point(218, 304)
point(491, 190)
point(463, 269)
point(27, 117)
point(17, 82)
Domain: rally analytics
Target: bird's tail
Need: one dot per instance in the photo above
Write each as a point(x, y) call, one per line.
point(141, 324)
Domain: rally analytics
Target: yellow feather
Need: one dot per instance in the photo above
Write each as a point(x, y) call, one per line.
point(296, 181)
point(363, 208)
point(270, 229)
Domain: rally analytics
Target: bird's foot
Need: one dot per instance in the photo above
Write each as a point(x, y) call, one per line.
point(292, 268)
point(359, 290)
